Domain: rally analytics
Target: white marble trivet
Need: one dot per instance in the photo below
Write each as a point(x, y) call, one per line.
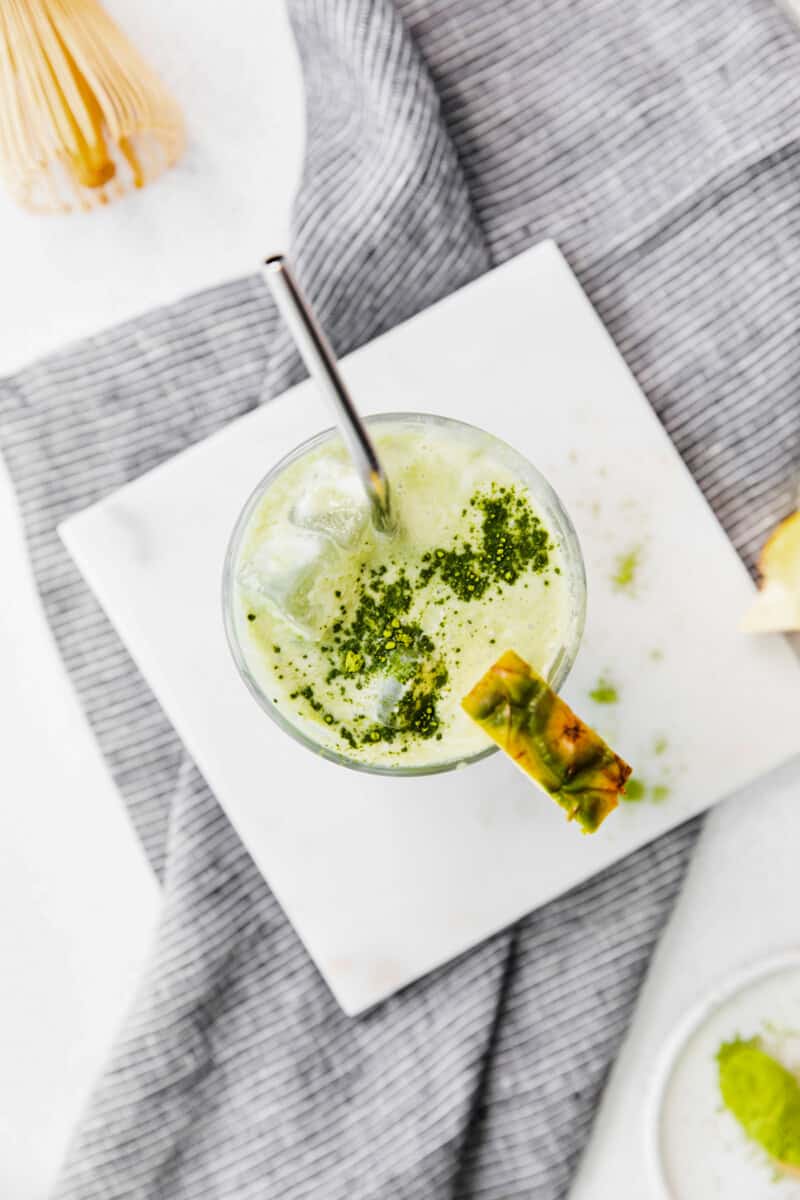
point(385, 879)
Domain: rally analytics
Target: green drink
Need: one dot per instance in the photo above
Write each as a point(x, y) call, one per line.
point(362, 645)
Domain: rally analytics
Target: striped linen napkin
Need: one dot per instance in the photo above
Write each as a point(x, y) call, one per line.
point(658, 144)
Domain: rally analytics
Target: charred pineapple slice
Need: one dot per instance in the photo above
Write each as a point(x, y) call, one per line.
point(522, 713)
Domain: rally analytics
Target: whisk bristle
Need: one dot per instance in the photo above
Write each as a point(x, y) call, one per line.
point(82, 117)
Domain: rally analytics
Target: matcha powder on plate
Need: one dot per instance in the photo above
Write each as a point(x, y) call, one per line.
point(763, 1096)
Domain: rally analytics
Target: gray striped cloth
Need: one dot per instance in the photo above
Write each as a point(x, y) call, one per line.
point(658, 143)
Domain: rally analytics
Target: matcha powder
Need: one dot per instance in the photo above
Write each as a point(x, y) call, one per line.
point(379, 638)
point(763, 1096)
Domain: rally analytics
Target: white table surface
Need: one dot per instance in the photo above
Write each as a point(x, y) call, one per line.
point(77, 902)
point(740, 904)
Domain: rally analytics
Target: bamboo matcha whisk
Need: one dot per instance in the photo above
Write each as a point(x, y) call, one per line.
point(82, 117)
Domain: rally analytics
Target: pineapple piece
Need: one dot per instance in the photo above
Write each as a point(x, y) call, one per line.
point(522, 713)
point(776, 608)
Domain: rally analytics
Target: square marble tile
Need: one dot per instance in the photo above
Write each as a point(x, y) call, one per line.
point(384, 879)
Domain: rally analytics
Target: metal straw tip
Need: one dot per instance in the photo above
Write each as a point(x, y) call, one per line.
point(321, 363)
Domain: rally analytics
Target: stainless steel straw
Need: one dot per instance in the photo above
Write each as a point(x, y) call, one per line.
point(316, 353)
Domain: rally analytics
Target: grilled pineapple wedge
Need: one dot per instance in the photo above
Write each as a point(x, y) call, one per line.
point(521, 712)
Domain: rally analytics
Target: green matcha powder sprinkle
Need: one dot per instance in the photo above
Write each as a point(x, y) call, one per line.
point(380, 638)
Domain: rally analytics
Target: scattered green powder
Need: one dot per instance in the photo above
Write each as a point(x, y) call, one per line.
point(604, 692)
point(380, 639)
point(780, 1032)
point(635, 790)
point(657, 654)
point(660, 745)
point(624, 577)
point(512, 541)
point(308, 694)
point(763, 1096)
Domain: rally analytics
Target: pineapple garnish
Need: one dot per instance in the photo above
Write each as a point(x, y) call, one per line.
point(776, 608)
point(521, 712)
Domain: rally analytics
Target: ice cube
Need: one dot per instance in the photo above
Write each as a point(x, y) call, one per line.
point(385, 700)
point(333, 504)
point(283, 570)
point(405, 671)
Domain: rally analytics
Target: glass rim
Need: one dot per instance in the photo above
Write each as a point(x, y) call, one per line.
point(573, 560)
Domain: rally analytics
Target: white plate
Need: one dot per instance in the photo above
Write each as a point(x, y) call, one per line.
point(385, 879)
point(697, 1149)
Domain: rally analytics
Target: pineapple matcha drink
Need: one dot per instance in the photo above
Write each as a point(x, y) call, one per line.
point(363, 644)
